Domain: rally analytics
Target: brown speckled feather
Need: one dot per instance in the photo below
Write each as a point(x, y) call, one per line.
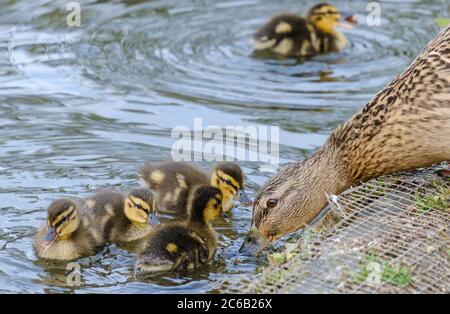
point(407, 124)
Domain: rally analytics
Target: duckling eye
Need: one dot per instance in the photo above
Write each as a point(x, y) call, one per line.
point(272, 202)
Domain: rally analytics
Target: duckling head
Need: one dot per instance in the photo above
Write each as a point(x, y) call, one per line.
point(229, 179)
point(139, 207)
point(63, 220)
point(205, 204)
point(327, 17)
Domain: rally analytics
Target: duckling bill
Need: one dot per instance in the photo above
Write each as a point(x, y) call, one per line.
point(172, 183)
point(294, 36)
point(186, 245)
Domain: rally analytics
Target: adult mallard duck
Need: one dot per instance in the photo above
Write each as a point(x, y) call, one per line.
point(173, 181)
point(180, 246)
point(292, 35)
point(405, 126)
point(69, 231)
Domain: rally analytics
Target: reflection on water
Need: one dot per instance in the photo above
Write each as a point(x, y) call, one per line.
point(81, 108)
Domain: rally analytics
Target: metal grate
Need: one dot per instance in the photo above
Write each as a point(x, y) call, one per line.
point(389, 235)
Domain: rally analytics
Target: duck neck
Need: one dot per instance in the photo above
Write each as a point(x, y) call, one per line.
point(196, 220)
point(198, 225)
point(325, 175)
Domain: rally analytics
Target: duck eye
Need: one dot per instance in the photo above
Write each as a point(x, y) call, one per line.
point(272, 202)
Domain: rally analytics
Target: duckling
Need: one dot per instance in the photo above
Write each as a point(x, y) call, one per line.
point(185, 245)
point(173, 181)
point(124, 218)
point(294, 36)
point(68, 233)
point(405, 126)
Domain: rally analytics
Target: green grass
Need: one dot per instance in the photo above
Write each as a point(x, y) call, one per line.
point(442, 22)
point(400, 275)
point(438, 200)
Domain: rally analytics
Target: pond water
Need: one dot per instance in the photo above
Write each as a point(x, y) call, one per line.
point(82, 107)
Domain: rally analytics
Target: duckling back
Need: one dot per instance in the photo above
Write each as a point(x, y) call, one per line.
point(171, 183)
point(286, 34)
point(173, 247)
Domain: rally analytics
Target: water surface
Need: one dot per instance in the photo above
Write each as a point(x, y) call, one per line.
point(81, 108)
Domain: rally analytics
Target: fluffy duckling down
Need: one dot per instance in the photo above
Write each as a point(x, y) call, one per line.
point(294, 36)
point(68, 233)
point(185, 245)
point(124, 217)
point(172, 182)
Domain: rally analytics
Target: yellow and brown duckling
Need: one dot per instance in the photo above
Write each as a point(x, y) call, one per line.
point(173, 181)
point(405, 126)
point(68, 233)
point(186, 245)
point(124, 217)
point(294, 36)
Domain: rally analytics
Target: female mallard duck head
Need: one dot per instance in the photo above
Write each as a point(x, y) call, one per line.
point(205, 204)
point(290, 200)
point(139, 207)
point(327, 17)
point(229, 179)
point(63, 220)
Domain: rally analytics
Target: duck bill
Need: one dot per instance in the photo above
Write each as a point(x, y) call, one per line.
point(349, 21)
point(153, 219)
point(49, 238)
point(244, 198)
point(255, 243)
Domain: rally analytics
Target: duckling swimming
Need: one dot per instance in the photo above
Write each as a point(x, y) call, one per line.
point(173, 181)
point(405, 126)
point(294, 36)
point(124, 218)
point(186, 245)
point(68, 233)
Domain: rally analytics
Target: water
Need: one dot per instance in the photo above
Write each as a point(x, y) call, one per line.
point(81, 108)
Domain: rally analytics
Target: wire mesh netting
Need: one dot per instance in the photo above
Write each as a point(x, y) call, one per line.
point(389, 235)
